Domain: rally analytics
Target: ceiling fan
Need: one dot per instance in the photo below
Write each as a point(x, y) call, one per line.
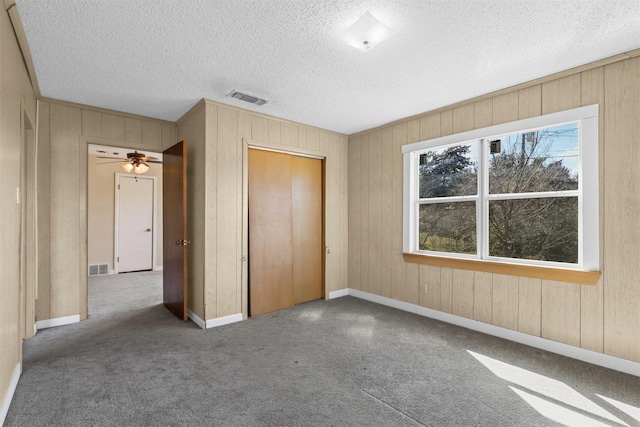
point(137, 162)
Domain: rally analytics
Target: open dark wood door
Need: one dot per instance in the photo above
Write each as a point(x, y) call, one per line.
point(174, 229)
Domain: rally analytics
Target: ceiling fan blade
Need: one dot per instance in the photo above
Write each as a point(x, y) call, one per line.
point(108, 157)
point(105, 163)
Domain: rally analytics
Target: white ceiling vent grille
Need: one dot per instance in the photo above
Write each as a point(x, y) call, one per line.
point(247, 98)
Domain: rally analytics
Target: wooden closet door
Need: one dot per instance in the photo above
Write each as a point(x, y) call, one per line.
point(270, 232)
point(308, 277)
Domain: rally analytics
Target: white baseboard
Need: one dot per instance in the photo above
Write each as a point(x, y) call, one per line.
point(339, 293)
point(58, 321)
point(157, 268)
point(196, 319)
point(213, 323)
point(10, 392)
point(225, 320)
point(593, 357)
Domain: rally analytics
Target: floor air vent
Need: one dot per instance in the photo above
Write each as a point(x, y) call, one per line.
point(248, 98)
point(98, 269)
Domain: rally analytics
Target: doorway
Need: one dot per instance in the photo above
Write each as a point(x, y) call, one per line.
point(286, 230)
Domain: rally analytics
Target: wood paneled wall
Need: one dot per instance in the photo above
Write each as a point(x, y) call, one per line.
point(65, 130)
point(17, 99)
point(217, 269)
point(603, 318)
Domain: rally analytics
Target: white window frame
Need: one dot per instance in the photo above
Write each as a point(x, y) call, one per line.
point(587, 192)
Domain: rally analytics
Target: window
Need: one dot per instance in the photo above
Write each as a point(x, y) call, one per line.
point(524, 192)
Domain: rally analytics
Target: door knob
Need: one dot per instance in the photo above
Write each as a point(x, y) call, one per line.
point(148, 230)
point(183, 242)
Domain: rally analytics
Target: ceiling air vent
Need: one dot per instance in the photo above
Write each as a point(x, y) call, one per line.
point(248, 98)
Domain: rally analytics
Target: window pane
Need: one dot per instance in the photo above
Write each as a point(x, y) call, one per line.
point(542, 160)
point(537, 229)
point(449, 171)
point(448, 227)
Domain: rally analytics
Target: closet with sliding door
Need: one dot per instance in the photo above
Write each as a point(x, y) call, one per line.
point(286, 230)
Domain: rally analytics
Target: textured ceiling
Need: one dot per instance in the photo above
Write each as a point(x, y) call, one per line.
point(158, 58)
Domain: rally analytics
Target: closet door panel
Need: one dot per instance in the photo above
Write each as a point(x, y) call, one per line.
point(270, 232)
point(306, 184)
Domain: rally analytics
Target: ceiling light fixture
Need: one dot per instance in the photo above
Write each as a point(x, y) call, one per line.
point(140, 168)
point(366, 33)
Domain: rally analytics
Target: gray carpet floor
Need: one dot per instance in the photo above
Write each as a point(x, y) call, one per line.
point(344, 362)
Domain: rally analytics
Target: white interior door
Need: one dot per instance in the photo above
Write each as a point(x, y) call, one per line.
point(135, 223)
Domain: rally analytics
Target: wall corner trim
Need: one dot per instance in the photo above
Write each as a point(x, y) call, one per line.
point(214, 323)
point(10, 392)
point(607, 361)
point(57, 321)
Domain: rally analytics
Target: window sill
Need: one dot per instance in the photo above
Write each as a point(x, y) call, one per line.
point(547, 273)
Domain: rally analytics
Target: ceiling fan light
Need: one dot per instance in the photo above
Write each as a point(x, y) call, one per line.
point(128, 167)
point(141, 168)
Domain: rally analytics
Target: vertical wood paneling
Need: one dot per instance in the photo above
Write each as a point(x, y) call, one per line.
point(151, 133)
point(91, 123)
point(364, 197)
point(275, 131)
point(462, 293)
point(259, 128)
point(446, 289)
point(112, 126)
point(430, 127)
point(446, 123)
point(132, 130)
point(483, 297)
point(375, 203)
point(313, 139)
point(168, 135)
point(592, 297)
point(226, 240)
point(207, 190)
point(621, 207)
point(561, 94)
point(289, 134)
point(65, 127)
point(430, 279)
point(483, 114)
point(561, 312)
point(355, 211)
point(402, 273)
point(44, 246)
point(530, 102)
point(323, 142)
point(399, 273)
point(463, 118)
point(505, 301)
point(505, 108)
point(302, 136)
point(529, 305)
point(386, 213)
